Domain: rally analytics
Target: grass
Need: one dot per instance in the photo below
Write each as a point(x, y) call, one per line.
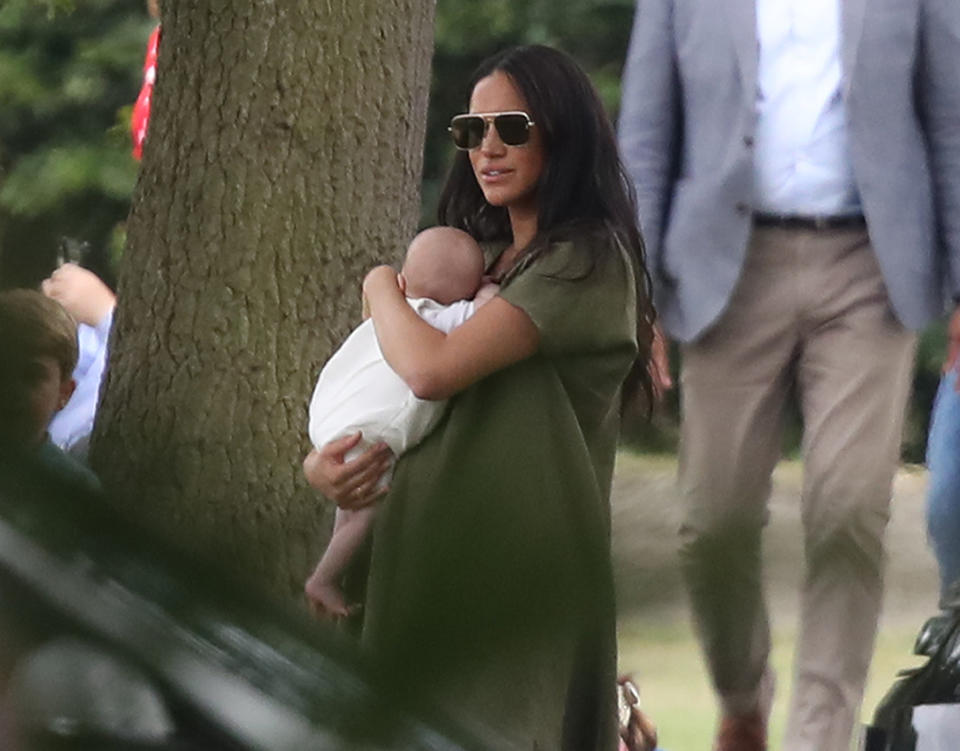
point(656, 642)
point(676, 693)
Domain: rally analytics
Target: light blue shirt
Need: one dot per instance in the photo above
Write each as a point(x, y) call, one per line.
point(71, 427)
point(802, 159)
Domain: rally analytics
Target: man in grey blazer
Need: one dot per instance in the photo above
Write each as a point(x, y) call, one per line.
point(797, 164)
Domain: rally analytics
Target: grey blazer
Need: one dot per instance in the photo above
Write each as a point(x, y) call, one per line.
point(686, 133)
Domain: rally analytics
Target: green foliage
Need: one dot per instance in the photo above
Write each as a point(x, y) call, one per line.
point(45, 179)
point(51, 7)
point(69, 70)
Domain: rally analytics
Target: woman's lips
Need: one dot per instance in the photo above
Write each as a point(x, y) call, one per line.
point(494, 175)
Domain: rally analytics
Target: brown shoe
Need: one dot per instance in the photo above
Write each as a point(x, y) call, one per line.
point(742, 733)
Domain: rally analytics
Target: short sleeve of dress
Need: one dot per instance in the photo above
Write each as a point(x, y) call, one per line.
point(579, 301)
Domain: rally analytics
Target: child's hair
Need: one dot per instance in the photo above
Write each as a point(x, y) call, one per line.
point(444, 264)
point(32, 324)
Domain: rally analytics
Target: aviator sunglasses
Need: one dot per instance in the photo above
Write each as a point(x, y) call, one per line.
point(468, 130)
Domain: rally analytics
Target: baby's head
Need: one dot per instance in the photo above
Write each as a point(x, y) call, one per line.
point(444, 264)
point(38, 351)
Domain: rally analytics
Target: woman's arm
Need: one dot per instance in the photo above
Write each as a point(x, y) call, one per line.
point(437, 365)
point(434, 364)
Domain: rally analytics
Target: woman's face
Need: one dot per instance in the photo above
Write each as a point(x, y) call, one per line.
point(508, 175)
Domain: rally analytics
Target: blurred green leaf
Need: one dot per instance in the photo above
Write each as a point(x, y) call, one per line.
point(69, 72)
point(42, 180)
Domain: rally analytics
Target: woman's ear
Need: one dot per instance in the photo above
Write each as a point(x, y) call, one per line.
point(402, 282)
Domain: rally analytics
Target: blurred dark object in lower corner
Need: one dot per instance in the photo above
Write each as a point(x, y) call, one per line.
point(110, 641)
point(921, 711)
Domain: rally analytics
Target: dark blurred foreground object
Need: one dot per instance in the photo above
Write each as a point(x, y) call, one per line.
point(921, 711)
point(108, 641)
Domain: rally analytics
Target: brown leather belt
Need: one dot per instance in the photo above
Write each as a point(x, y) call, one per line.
point(808, 222)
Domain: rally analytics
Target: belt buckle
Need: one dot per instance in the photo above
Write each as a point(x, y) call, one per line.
point(821, 222)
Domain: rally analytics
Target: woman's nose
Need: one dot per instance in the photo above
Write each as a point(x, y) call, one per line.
point(491, 143)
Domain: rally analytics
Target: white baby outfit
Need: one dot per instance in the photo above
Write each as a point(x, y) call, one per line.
point(358, 390)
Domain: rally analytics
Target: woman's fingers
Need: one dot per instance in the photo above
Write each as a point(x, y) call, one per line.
point(364, 495)
point(349, 484)
point(325, 467)
point(367, 476)
point(337, 448)
point(660, 363)
point(369, 465)
point(317, 469)
point(363, 488)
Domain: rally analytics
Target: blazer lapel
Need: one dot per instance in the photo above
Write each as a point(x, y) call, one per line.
point(742, 15)
point(851, 19)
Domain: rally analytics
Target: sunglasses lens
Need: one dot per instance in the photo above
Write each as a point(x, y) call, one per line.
point(514, 128)
point(467, 131)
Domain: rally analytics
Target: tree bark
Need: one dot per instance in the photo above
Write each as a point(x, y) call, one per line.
point(283, 160)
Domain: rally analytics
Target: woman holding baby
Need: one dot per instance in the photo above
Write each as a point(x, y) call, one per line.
point(490, 589)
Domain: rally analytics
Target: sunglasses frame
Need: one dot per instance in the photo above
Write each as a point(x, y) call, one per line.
point(490, 118)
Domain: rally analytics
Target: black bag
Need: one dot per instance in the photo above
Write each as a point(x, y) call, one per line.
point(926, 697)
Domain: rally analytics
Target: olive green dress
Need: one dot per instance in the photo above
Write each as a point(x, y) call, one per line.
point(490, 589)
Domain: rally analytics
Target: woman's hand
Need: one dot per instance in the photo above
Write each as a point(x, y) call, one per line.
point(660, 364)
point(380, 280)
point(350, 484)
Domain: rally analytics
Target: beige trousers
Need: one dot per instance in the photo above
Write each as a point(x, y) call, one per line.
point(810, 317)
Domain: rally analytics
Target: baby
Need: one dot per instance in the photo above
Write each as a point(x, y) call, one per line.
point(358, 391)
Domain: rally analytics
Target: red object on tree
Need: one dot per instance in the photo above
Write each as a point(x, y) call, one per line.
point(141, 110)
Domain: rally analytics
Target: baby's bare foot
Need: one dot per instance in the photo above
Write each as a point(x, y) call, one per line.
point(326, 600)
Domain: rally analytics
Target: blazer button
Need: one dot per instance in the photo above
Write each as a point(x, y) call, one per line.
point(742, 208)
point(748, 141)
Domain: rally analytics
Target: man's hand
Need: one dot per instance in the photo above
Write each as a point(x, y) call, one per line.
point(81, 292)
point(953, 343)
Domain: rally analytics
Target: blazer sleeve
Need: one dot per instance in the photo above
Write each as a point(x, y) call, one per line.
point(939, 103)
point(650, 121)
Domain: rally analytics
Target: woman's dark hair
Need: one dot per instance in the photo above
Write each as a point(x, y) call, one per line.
point(584, 186)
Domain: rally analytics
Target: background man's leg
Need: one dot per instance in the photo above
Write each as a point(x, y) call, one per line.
point(854, 379)
point(734, 384)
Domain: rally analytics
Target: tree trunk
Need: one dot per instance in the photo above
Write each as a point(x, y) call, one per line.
point(283, 160)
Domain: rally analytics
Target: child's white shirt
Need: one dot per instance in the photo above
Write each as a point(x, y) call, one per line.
point(358, 390)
